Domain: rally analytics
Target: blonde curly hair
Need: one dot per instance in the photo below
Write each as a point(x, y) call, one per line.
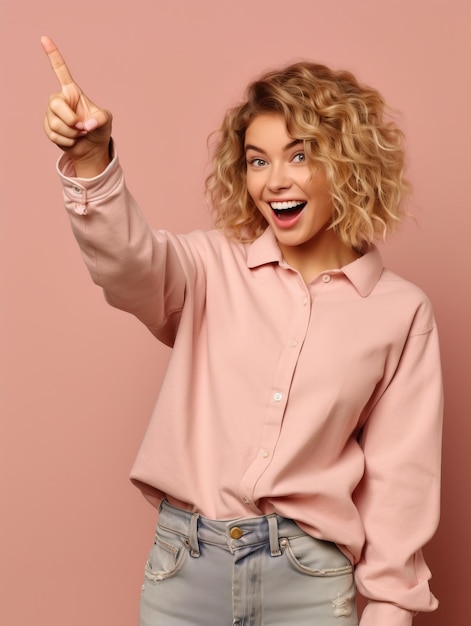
point(342, 124)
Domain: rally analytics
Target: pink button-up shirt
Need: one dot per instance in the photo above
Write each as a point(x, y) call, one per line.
point(319, 402)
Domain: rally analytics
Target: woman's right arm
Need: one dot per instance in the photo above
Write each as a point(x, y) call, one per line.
point(141, 272)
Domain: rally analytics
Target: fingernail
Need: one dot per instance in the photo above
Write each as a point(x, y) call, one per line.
point(79, 125)
point(90, 124)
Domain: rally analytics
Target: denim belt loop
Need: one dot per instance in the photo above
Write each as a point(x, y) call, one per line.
point(193, 536)
point(273, 535)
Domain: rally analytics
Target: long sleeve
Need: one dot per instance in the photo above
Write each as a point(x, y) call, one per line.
point(137, 268)
point(398, 498)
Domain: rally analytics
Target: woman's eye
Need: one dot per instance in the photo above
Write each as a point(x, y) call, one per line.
point(299, 158)
point(257, 162)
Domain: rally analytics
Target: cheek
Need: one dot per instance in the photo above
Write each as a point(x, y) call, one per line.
point(249, 183)
point(252, 199)
point(318, 189)
point(253, 189)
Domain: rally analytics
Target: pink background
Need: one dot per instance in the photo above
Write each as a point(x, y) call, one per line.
point(79, 379)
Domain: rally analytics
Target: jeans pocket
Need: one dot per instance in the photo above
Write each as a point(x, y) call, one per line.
point(315, 557)
point(166, 556)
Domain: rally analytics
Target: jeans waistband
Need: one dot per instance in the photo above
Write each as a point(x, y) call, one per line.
point(231, 534)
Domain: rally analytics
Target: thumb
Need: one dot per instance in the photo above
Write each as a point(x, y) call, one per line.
point(91, 117)
point(97, 118)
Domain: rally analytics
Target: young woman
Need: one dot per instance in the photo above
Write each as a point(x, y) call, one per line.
point(294, 449)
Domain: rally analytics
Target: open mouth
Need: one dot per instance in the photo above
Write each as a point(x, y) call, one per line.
point(288, 209)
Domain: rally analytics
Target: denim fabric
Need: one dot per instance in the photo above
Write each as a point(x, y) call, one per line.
point(262, 571)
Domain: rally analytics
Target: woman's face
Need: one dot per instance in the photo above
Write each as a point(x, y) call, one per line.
point(291, 194)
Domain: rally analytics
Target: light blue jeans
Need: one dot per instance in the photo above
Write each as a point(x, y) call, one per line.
point(262, 571)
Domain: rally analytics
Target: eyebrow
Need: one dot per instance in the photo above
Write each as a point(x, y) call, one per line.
point(288, 146)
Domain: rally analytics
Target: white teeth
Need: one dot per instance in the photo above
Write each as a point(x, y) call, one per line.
point(281, 206)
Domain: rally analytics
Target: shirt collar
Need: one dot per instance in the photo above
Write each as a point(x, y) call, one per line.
point(264, 249)
point(363, 273)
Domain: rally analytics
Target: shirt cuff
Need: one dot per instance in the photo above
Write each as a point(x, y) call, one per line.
point(79, 192)
point(385, 614)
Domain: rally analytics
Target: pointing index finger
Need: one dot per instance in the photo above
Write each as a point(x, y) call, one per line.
point(57, 62)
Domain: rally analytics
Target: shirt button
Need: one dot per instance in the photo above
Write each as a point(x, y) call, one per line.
point(326, 278)
point(265, 453)
point(245, 500)
point(77, 190)
point(293, 343)
point(277, 396)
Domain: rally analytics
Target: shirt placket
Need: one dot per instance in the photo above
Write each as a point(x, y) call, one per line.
point(278, 395)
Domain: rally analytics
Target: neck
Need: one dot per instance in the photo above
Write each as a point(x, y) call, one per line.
point(312, 258)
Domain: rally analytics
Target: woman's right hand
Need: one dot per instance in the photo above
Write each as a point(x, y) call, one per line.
point(74, 123)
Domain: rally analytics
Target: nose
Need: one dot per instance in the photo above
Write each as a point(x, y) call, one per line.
point(278, 178)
